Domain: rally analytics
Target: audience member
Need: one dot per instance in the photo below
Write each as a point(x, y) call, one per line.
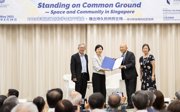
point(76, 99)
point(2, 98)
point(53, 96)
point(7, 107)
point(177, 94)
point(11, 99)
point(40, 103)
point(25, 107)
point(140, 101)
point(96, 102)
point(64, 106)
point(9, 103)
point(115, 102)
point(159, 101)
point(143, 101)
point(152, 98)
point(13, 92)
point(174, 106)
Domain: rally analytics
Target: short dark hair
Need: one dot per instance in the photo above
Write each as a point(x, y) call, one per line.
point(159, 101)
point(7, 107)
point(39, 102)
point(146, 46)
point(96, 100)
point(174, 106)
point(151, 97)
point(64, 106)
point(13, 92)
point(114, 101)
point(2, 98)
point(98, 46)
point(140, 100)
point(9, 104)
point(53, 96)
point(59, 90)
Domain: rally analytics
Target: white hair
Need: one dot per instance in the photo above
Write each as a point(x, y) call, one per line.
point(27, 107)
point(75, 98)
point(177, 94)
point(81, 45)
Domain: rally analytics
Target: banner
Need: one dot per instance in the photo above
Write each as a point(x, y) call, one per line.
point(89, 11)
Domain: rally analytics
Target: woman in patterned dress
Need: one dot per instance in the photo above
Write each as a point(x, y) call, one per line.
point(147, 69)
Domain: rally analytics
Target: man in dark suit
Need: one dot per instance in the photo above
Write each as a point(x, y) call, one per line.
point(79, 70)
point(129, 73)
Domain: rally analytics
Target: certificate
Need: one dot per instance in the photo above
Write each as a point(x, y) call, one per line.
point(110, 63)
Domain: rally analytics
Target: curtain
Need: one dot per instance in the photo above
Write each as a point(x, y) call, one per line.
point(34, 58)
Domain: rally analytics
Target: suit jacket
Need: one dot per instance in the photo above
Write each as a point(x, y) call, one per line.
point(76, 67)
point(130, 71)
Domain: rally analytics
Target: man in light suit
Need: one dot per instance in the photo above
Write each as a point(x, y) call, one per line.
point(128, 72)
point(79, 70)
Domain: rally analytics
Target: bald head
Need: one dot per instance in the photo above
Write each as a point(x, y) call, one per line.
point(114, 101)
point(123, 47)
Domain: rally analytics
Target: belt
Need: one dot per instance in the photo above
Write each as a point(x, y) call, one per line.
point(84, 73)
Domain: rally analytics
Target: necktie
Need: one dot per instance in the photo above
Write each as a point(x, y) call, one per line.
point(123, 55)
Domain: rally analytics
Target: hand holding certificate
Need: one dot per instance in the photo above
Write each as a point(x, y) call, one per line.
point(110, 63)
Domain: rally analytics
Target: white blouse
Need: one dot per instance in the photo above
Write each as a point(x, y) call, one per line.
point(97, 62)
